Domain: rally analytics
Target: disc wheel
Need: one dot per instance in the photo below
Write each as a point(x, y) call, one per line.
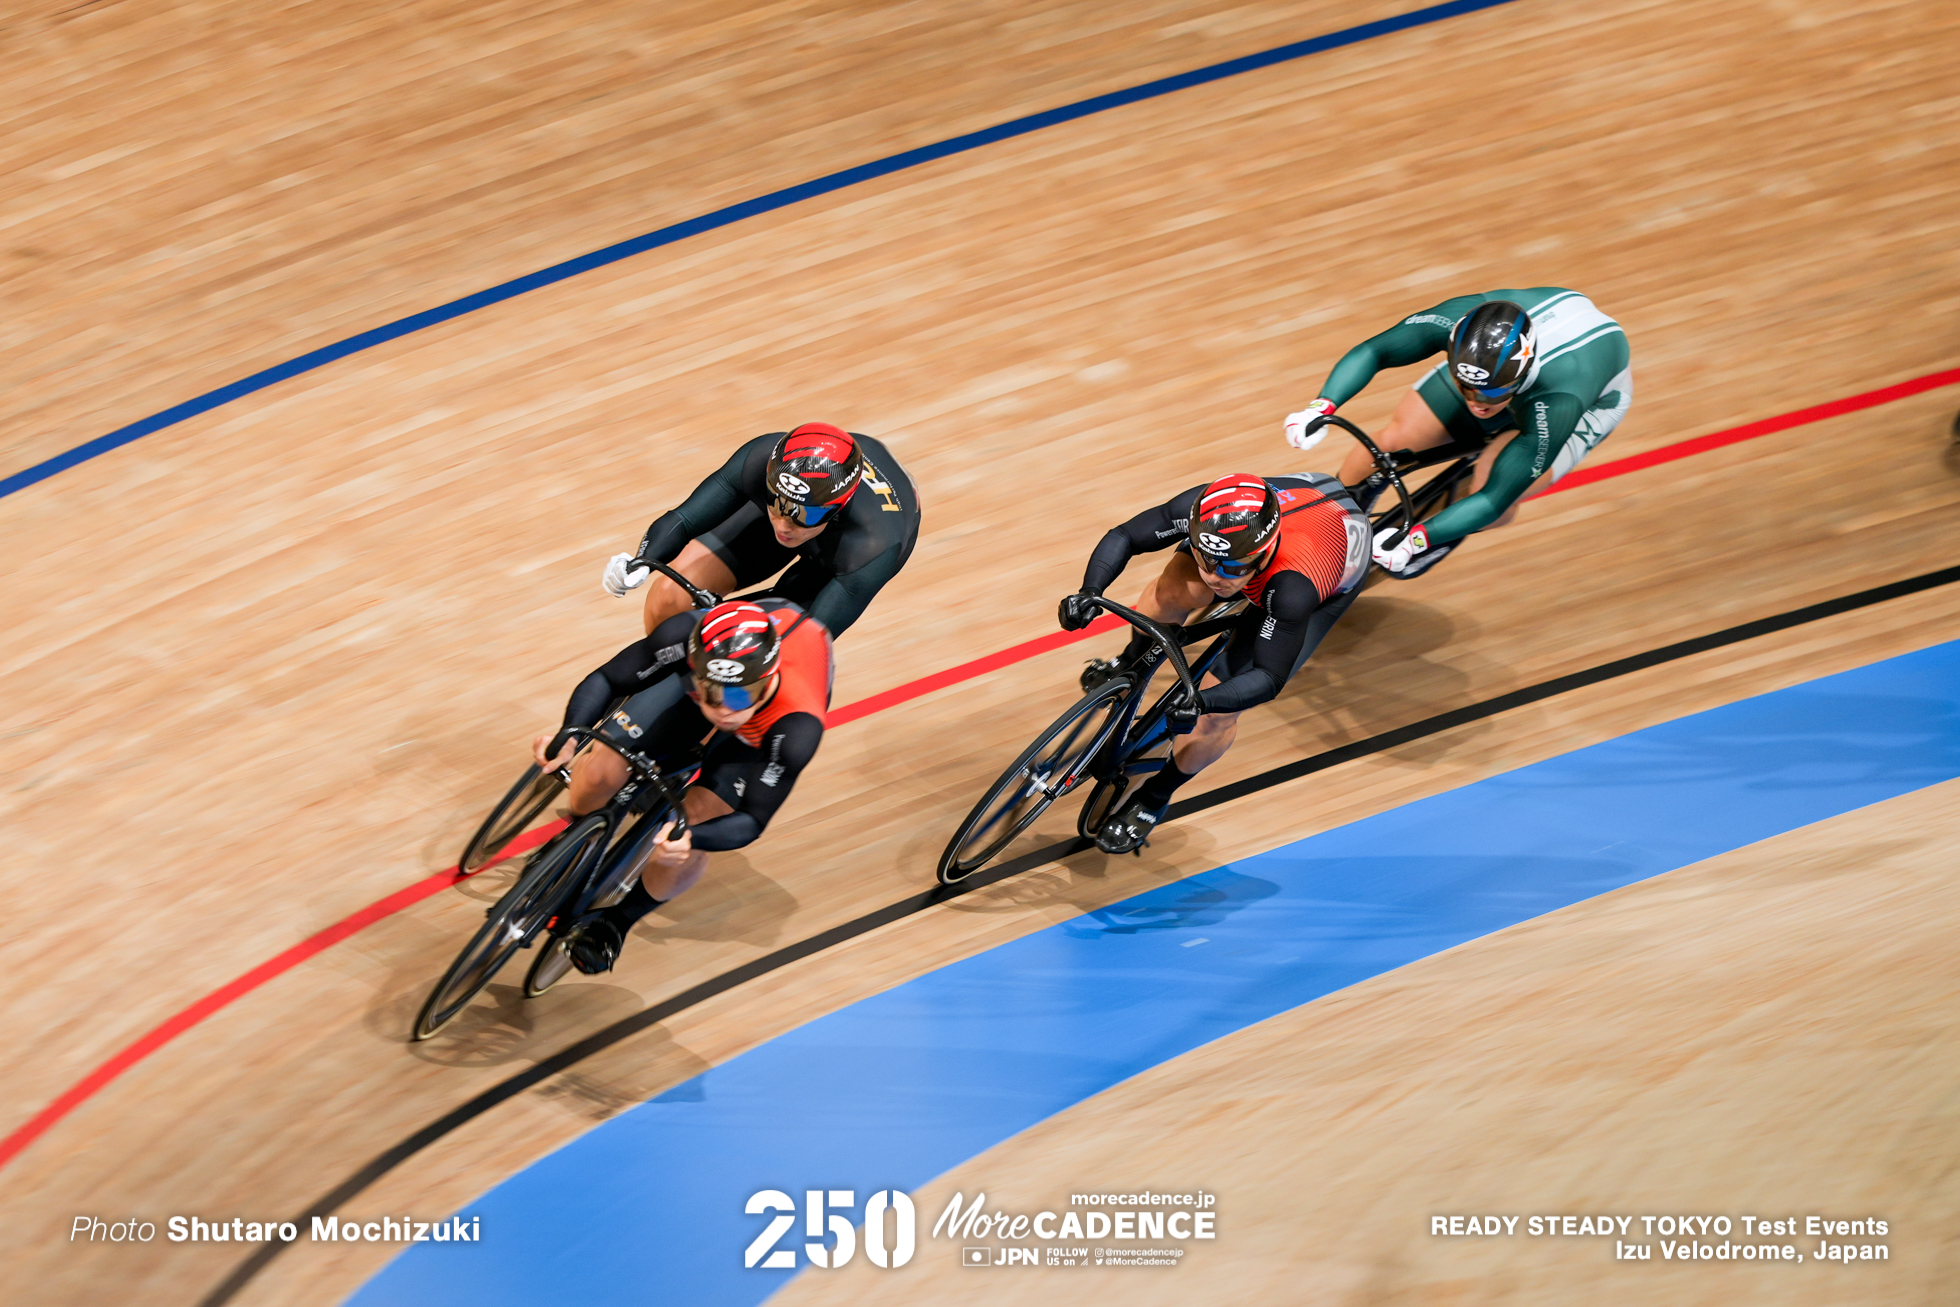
point(1102, 801)
point(512, 816)
point(1046, 770)
point(553, 964)
point(616, 878)
point(512, 922)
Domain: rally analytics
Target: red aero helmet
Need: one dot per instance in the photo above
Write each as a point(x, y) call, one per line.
point(812, 472)
point(732, 648)
point(1234, 521)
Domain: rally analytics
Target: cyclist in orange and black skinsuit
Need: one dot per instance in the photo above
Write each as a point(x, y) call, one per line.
point(745, 688)
point(1295, 546)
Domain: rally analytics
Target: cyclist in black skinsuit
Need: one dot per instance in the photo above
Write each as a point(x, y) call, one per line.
point(743, 688)
point(1294, 546)
point(834, 507)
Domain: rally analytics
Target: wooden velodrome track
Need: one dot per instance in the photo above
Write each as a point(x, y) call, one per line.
point(268, 665)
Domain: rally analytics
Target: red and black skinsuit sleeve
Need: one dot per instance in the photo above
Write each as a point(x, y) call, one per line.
point(773, 767)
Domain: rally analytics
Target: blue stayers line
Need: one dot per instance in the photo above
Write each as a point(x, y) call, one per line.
point(901, 1087)
point(724, 217)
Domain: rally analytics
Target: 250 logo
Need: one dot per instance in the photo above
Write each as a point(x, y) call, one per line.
point(825, 1213)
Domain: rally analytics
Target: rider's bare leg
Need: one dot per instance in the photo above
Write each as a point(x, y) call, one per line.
point(1177, 592)
point(699, 565)
point(597, 774)
point(1209, 742)
point(1412, 427)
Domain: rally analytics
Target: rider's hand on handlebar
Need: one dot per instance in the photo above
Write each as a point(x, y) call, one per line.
point(540, 751)
point(669, 852)
point(1308, 427)
point(619, 579)
point(1183, 719)
point(1075, 611)
point(1416, 542)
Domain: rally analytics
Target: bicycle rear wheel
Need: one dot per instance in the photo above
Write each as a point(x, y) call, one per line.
point(512, 816)
point(1102, 801)
point(1046, 770)
point(510, 925)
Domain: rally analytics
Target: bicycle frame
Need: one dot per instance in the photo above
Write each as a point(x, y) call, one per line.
point(627, 831)
point(1390, 467)
point(1134, 733)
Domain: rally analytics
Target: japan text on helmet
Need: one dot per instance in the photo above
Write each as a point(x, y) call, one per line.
point(813, 471)
point(731, 653)
point(1234, 525)
point(1491, 350)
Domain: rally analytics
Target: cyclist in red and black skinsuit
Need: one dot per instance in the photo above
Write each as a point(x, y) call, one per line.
point(744, 688)
point(1295, 546)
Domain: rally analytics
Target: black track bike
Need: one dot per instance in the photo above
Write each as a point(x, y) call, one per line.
point(1109, 738)
point(582, 870)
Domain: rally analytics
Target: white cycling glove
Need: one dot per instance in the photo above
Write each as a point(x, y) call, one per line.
point(619, 580)
point(1308, 427)
point(1416, 542)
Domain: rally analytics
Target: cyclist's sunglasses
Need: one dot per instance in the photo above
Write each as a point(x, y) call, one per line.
point(1234, 568)
point(1494, 396)
point(730, 698)
point(804, 514)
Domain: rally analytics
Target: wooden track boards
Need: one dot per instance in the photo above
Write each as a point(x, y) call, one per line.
point(269, 665)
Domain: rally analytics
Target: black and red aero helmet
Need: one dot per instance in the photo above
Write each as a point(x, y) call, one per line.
point(1233, 523)
point(732, 646)
point(813, 471)
point(1491, 350)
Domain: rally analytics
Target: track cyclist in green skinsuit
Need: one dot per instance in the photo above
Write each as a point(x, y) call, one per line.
point(1535, 378)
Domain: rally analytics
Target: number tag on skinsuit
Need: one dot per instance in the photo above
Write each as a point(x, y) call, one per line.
point(1360, 551)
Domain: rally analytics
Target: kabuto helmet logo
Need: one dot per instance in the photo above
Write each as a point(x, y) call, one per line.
point(1491, 349)
point(734, 644)
point(1233, 520)
point(815, 467)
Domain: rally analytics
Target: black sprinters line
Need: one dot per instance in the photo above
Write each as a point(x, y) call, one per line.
point(626, 1028)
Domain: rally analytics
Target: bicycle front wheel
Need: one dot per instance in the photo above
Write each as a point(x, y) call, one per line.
point(512, 816)
point(516, 918)
point(1053, 765)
